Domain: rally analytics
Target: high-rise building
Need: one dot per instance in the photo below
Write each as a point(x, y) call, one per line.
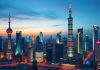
point(80, 40)
point(70, 50)
point(59, 48)
point(58, 38)
point(18, 51)
point(42, 41)
point(65, 46)
point(39, 50)
point(41, 37)
point(9, 49)
point(97, 54)
point(49, 51)
point(86, 44)
point(24, 46)
point(95, 35)
point(97, 51)
point(29, 48)
point(1, 48)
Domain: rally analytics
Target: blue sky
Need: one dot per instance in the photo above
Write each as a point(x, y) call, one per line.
point(48, 16)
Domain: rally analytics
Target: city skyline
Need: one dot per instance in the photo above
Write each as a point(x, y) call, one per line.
point(49, 17)
point(49, 35)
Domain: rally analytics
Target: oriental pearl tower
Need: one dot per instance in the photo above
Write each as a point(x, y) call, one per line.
point(9, 32)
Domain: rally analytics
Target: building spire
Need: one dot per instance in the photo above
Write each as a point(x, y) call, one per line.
point(9, 20)
point(70, 7)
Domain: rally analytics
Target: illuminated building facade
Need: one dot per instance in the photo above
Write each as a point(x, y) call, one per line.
point(58, 38)
point(65, 46)
point(95, 35)
point(29, 48)
point(86, 44)
point(1, 41)
point(9, 48)
point(59, 49)
point(41, 40)
point(18, 51)
point(49, 51)
point(41, 37)
point(97, 54)
point(80, 41)
point(70, 50)
point(97, 51)
point(1, 48)
point(39, 50)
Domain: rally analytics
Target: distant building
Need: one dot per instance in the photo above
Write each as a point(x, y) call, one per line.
point(80, 41)
point(28, 40)
point(49, 51)
point(39, 50)
point(19, 51)
point(59, 49)
point(65, 46)
point(97, 51)
point(42, 41)
point(24, 46)
point(41, 37)
point(95, 35)
point(1, 44)
point(58, 38)
point(97, 54)
point(86, 44)
point(1, 48)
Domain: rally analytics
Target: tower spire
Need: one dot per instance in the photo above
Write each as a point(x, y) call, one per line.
point(9, 20)
point(70, 7)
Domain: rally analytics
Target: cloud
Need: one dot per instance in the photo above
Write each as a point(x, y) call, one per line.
point(56, 25)
point(27, 9)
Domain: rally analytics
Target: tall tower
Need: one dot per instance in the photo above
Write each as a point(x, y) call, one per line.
point(70, 51)
point(19, 43)
point(9, 32)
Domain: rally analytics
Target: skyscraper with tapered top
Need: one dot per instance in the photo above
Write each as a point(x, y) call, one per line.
point(9, 32)
point(70, 51)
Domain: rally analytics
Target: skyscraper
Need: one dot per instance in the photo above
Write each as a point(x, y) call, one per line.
point(49, 51)
point(97, 51)
point(59, 49)
point(70, 51)
point(58, 38)
point(41, 37)
point(1, 48)
point(86, 44)
point(80, 40)
point(65, 46)
point(95, 35)
point(9, 32)
point(42, 41)
point(97, 54)
point(29, 48)
point(39, 50)
point(19, 51)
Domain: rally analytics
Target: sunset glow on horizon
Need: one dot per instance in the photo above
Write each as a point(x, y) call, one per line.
point(47, 16)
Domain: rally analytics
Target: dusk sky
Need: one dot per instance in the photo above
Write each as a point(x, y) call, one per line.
point(48, 16)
